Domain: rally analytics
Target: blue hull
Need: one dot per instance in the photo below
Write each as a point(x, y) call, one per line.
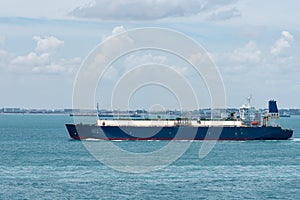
point(82, 131)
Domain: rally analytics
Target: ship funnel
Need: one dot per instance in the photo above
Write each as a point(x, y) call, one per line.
point(273, 110)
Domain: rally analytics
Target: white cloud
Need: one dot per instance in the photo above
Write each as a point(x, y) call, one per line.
point(2, 54)
point(49, 69)
point(48, 44)
point(146, 9)
point(246, 54)
point(283, 43)
point(46, 48)
point(224, 14)
point(32, 59)
point(2, 40)
point(43, 59)
point(201, 59)
point(116, 43)
point(58, 66)
point(135, 60)
point(242, 60)
point(132, 61)
point(118, 29)
point(39, 9)
point(127, 62)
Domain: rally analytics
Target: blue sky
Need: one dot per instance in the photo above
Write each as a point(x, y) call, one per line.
point(254, 44)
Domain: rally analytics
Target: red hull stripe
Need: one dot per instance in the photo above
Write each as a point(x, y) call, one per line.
point(143, 139)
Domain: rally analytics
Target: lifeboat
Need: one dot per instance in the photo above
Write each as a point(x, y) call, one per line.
point(254, 123)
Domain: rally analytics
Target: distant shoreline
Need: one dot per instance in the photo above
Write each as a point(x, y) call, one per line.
point(34, 114)
point(85, 112)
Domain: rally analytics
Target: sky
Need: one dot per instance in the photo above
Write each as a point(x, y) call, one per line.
point(254, 45)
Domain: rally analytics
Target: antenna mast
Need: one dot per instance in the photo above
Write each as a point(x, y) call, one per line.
point(249, 100)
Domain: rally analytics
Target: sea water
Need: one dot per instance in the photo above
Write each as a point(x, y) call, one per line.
point(39, 161)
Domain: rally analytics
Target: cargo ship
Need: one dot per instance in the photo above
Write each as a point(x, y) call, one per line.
point(249, 125)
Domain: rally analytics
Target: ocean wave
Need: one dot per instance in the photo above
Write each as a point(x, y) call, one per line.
point(92, 139)
point(296, 139)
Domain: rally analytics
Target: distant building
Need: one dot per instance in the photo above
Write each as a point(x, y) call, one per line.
point(71, 110)
point(12, 110)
